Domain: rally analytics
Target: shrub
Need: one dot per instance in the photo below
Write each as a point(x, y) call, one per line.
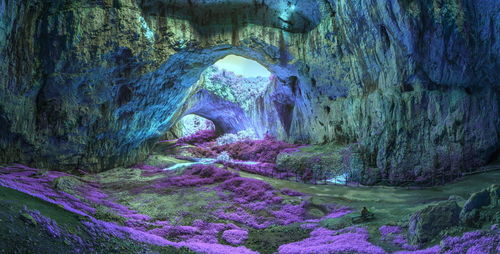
point(232, 138)
point(247, 190)
point(196, 175)
point(350, 240)
point(265, 150)
point(235, 236)
point(198, 138)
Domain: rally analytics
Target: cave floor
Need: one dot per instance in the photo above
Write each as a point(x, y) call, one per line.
point(391, 205)
point(131, 193)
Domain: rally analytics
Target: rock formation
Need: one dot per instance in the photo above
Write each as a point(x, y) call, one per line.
point(93, 84)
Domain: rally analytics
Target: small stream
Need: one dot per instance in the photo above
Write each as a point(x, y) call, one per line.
point(204, 161)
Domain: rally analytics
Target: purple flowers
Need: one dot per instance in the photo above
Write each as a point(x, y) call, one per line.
point(235, 236)
point(472, 242)
point(196, 175)
point(247, 190)
point(290, 192)
point(47, 223)
point(390, 230)
point(338, 212)
point(396, 236)
point(198, 138)
point(265, 150)
point(350, 240)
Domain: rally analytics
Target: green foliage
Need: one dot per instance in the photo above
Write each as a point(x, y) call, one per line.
point(237, 89)
point(20, 234)
point(106, 214)
point(67, 184)
point(322, 161)
point(336, 223)
point(268, 240)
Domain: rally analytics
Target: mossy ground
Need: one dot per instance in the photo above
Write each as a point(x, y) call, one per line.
point(181, 206)
point(391, 205)
point(19, 234)
point(267, 241)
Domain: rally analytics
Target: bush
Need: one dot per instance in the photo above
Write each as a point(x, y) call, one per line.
point(198, 138)
point(247, 190)
point(196, 175)
point(265, 150)
point(230, 138)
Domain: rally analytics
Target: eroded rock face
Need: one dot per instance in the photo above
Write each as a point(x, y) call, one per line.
point(290, 15)
point(227, 116)
point(92, 84)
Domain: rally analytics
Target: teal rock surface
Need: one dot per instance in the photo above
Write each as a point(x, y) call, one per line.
point(414, 83)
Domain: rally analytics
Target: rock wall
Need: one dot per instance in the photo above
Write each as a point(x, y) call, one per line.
point(93, 83)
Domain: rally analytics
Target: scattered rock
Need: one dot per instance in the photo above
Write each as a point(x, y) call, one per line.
point(477, 200)
point(482, 207)
point(427, 223)
point(67, 184)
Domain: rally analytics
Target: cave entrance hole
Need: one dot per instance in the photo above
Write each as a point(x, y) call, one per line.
point(190, 124)
point(232, 93)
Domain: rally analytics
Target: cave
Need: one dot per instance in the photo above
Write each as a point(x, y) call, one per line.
point(249, 126)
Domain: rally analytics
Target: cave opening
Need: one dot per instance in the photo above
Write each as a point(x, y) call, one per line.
point(231, 93)
point(190, 124)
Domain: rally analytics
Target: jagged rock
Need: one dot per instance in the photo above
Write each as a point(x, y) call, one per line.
point(427, 223)
point(414, 82)
point(481, 207)
point(370, 176)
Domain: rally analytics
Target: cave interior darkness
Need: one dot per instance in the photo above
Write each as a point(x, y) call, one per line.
point(250, 126)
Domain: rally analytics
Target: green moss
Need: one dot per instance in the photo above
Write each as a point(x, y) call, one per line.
point(28, 218)
point(336, 223)
point(268, 240)
point(67, 184)
point(19, 232)
point(325, 161)
point(106, 214)
point(179, 206)
point(162, 161)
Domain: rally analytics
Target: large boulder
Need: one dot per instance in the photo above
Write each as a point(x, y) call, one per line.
point(482, 207)
point(429, 222)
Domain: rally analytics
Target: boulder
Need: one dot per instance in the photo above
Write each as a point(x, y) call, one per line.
point(481, 207)
point(477, 200)
point(427, 223)
point(67, 184)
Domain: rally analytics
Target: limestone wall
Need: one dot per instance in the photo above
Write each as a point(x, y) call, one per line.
point(92, 83)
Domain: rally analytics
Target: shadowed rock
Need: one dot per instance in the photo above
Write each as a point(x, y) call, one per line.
point(429, 222)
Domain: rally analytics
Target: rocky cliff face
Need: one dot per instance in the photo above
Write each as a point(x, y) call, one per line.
point(92, 84)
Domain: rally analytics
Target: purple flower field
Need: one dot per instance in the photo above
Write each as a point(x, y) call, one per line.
point(241, 208)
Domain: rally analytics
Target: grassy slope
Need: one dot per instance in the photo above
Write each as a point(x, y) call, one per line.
point(19, 235)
